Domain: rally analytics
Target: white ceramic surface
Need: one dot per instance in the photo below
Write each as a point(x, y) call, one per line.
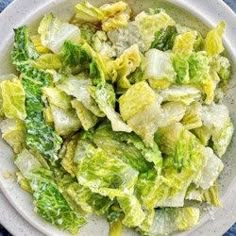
point(28, 12)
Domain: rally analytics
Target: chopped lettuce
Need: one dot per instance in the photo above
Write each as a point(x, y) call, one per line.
point(116, 15)
point(214, 42)
point(86, 117)
point(48, 61)
point(105, 98)
point(184, 43)
point(87, 13)
point(66, 122)
point(192, 118)
point(164, 38)
point(126, 64)
point(185, 94)
point(49, 202)
point(136, 99)
point(115, 228)
point(54, 33)
point(211, 170)
point(13, 106)
point(13, 132)
point(78, 87)
point(148, 24)
point(159, 70)
point(170, 220)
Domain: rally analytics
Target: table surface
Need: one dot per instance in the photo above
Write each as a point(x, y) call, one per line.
point(4, 232)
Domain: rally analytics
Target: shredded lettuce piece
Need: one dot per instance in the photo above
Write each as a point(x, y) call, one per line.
point(214, 43)
point(87, 13)
point(39, 136)
point(116, 16)
point(159, 70)
point(115, 228)
point(164, 38)
point(105, 98)
point(170, 220)
point(78, 87)
point(48, 201)
point(185, 94)
point(192, 118)
point(13, 107)
point(86, 117)
point(54, 33)
point(48, 61)
point(13, 132)
point(184, 43)
point(148, 24)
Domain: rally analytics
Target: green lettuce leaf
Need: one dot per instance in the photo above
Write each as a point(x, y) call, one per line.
point(87, 13)
point(211, 170)
point(164, 38)
point(82, 57)
point(78, 87)
point(48, 61)
point(148, 24)
point(169, 220)
point(185, 94)
point(192, 118)
point(159, 70)
point(184, 43)
point(216, 118)
point(86, 117)
point(48, 201)
point(115, 228)
point(214, 42)
point(126, 64)
point(13, 132)
point(116, 15)
point(55, 32)
point(105, 98)
point(136, 99)
point(66, 122)
point(13, 106)
point(39, 136)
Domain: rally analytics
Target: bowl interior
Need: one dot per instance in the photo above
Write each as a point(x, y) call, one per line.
point(64, 10)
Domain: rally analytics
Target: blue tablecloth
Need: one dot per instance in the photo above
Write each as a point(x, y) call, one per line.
point(232, 4)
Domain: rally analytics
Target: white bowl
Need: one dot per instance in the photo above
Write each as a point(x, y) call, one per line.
point(198, 14)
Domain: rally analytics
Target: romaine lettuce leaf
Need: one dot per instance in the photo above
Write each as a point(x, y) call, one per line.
point(105, 98)
point(184, 43)
point(212, 196)
point(86, 117)
point(136, 99)
point(211, 170)
point(48, 61)
point(78, 87)
point(39, 136)
point(126, 64)
point(128, 148)
point(203, 134)
point(36, 40)
point(164, 38)
point(13, 106)
point(68, 155)
point(116, 16)
point(159, 70)
point(82, 57)
point(115, 228)
point(88, 201)
point(214, 42)
point(148, 24)
point(192, 118)
point(169, 220)
point(49, 202)
point(87, 13)
point(66, 122)
point(185, 94)
point(54, 33)
point(13, 132)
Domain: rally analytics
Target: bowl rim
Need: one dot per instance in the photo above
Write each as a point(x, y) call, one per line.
point(191, 6)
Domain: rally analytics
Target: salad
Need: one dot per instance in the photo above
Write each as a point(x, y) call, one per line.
point(118, 115)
